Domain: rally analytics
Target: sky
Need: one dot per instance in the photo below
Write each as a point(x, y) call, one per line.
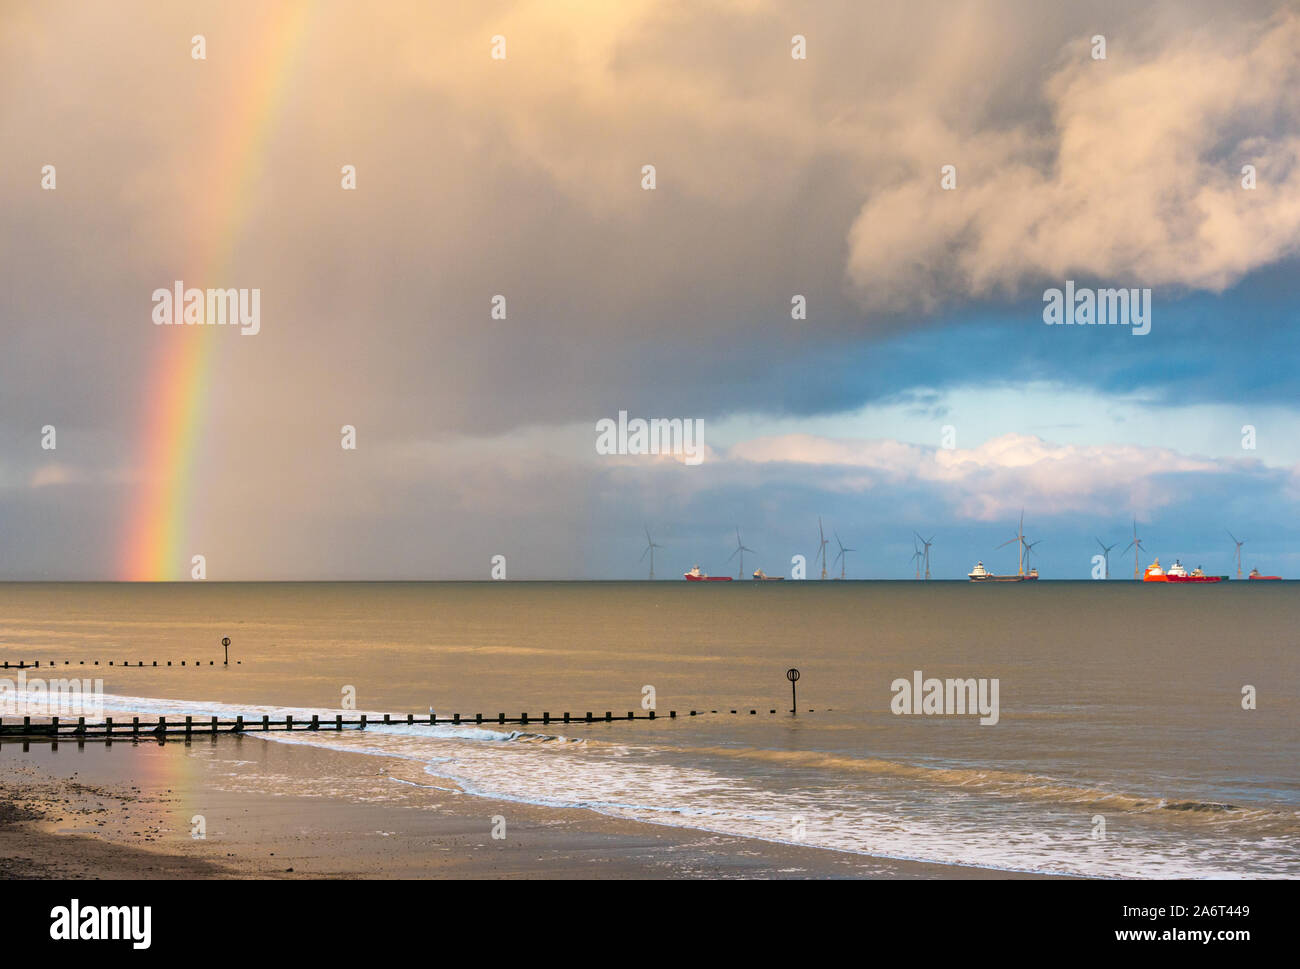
point(499, 149)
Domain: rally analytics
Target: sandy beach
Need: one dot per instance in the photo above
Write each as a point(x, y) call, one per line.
point(128, 811)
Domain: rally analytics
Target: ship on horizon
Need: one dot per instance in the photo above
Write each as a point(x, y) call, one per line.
point(697, 575)
point(761, 576)
point(1176, 573)
point(981, 574)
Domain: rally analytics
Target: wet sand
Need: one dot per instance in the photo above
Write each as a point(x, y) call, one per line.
point(130, 811)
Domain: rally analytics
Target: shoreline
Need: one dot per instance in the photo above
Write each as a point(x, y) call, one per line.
point(302, 812)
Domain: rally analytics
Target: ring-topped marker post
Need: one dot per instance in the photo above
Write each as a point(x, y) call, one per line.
point(792, 675)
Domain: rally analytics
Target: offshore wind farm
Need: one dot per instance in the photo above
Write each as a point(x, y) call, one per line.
point(1097, 567)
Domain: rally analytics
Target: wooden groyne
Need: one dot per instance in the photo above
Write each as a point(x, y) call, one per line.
point(56, 728)
point(124, 664)
point(78, 729)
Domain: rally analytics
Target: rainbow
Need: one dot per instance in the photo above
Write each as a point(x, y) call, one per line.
point(155, 546)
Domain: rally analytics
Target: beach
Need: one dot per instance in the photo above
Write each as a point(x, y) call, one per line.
point(120, 812)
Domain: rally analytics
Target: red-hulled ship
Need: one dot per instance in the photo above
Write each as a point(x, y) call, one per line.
point(1254, 574)
point(695, 575)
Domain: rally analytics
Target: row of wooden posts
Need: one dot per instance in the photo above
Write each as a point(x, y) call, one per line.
point(125, 664)
point(55, 727)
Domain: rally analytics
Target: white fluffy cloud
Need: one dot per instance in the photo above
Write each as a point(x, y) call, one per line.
point(997, 478)
point(1137, 176)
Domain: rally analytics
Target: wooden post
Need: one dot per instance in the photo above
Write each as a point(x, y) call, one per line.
point(589, 716)
point(523, 718)
point(363, 721)
point(566, 716)
point(652, 714)
point(135, 726)
point(608, 716)
point(266, 722)
point(631, 715)
point(546, 716)
point(410, 719)
point(214, 726)
point(315, 722)
point(189, 727)
point(501, 718)
point(108, 726)
point(55, 723)
point(288, 721)
point(338, 722)
point(455, 717)
point(478, 718)
point(239, 724)
point(27, 721)
point(386, 720)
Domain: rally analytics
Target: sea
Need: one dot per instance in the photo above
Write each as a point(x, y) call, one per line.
point(1141, 730)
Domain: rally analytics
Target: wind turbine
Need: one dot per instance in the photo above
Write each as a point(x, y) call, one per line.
point(842, 554)
point(1020, 538)
point(1136, 546)
point(1239, 544)
point(926, 553)
point(1029, 547)
point(650, 547)
point(741, 549)
point(1105, 551)
point(917, 556)
point(821, 548)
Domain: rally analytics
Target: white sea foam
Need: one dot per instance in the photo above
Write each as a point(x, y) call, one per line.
point(898, 816)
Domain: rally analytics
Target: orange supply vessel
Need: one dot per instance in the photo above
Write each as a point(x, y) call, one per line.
point(695, 575)
point(1177, 573)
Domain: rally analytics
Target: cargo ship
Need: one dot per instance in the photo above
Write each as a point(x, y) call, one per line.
point(695, 575)
point(981, 574)
point(1177, 573)
point(1254, 574)
point(761, 576)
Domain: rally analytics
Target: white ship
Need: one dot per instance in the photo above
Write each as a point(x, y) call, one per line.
point(981, 574)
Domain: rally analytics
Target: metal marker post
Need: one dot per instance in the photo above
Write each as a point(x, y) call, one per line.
point(792, 675)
